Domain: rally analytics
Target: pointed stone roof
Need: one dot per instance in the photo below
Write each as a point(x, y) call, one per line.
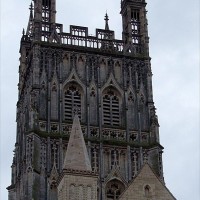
point(147, 178)
point(76, 157)
point(116, 174)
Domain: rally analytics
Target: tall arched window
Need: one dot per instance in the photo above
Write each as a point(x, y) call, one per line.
point(111, 108)
point(72, 102)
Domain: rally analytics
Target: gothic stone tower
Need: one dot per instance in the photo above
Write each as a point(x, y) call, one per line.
point(109, 83)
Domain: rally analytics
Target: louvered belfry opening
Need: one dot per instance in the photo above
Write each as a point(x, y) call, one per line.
point(111, 109)
point(72, 103)
point(46, 10)
point(135, 26)
point(46, 3)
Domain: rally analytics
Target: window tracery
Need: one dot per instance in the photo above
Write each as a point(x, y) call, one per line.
point(46, 10)
point(111, 108)
point(131, 97)
point(92, 93)
point(72, 102)
point(114, 189)
point(135, 25)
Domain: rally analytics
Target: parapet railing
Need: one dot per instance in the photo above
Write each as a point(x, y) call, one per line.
point(103, 40)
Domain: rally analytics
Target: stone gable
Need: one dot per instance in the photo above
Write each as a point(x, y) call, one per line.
point(147, 186)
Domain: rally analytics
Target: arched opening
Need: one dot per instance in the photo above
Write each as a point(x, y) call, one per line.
point(72, 101)
point(114, 189)
point(147, 190)
point(111, 107)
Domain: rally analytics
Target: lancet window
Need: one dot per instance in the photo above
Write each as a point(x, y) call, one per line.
point(46, 8)
point(135, 24)
point(147, 191)
point(72, 102)
point(111, 108)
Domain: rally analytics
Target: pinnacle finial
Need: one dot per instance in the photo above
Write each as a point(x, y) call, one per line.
point(31, 10)
point(23, 32)
point(31, 6)
point(106, 21)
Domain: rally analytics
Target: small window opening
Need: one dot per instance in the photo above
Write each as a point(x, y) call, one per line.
point(147, 191)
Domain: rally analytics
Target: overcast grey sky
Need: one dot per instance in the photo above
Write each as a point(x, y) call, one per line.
point(174, 48)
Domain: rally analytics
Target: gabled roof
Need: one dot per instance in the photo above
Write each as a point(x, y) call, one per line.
point(76, 157)
point(115, 174)
point(146, 177)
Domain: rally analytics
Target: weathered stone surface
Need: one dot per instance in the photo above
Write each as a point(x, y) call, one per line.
point(74, 186)
point(146, 186)
point(77, 156)
point(77, 180)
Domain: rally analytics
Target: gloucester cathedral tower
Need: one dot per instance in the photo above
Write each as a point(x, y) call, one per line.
point(87, 127)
